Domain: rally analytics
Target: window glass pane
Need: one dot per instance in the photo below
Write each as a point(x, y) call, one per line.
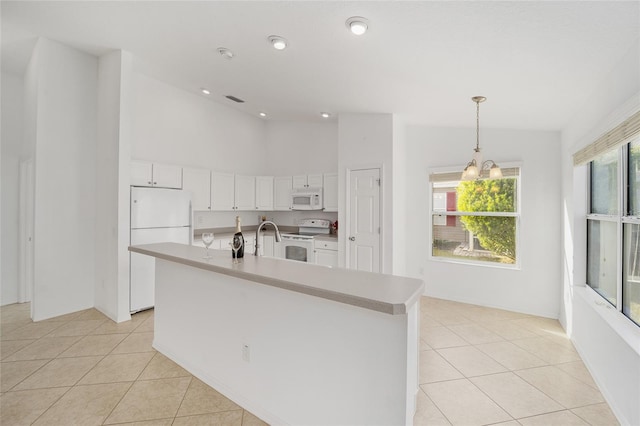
point(476, 238)
point(631, 272)
point(604, 184)
point(602, 258)
point(487, 195)
point(634, 178)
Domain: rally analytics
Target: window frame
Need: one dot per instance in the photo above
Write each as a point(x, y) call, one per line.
point(620, 219)
point(517, 214)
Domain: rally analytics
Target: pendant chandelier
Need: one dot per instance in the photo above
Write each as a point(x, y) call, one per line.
point(475, 167)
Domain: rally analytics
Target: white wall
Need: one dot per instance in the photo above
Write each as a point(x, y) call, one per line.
point(170, 125)
point(65, 160)
point(366, 141)
point(607, 342)
point(295, 148)
point(12, 111)
point(112, 183)
point(535, 287)
point(401, 233)
point(288, 148)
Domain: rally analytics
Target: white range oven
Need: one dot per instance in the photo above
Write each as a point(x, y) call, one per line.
point(299, 246)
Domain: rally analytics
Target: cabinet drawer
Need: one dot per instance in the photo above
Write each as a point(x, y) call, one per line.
point(327, 245)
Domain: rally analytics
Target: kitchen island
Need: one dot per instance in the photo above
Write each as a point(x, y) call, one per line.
point(292, 342)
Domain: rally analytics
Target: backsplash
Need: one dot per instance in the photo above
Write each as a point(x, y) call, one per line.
point(204, 220)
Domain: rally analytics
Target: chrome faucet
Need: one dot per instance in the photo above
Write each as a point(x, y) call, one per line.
point(263, 223)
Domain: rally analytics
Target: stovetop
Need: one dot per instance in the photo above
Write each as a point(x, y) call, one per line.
point(300, 235)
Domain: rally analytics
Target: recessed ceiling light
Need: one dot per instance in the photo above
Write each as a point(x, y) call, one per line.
point(263, 114)
point(278, 42)
point(225, 53)
point(325, 115)
point(205, 91)
point(357, 25)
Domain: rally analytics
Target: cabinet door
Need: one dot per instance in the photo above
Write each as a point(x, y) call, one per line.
point(267, 245)
point(300, 181)
point(249, 244)
point(330, 192)
point(222, 191)
point(314, 181)
point(282, 193)
point(167, 176)
point(264, 192)
point(141, 173)
point(327, 257)
point(225, 244)
point(245, 192)
point(198, 182)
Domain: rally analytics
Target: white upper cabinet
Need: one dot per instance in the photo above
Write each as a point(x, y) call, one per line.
point(222, 191)
point(144, 173)
point(198, 182)
point(141, 173)
point(330, 192)
point(314, 181)
point(300, 181)
point(264, 192)
point(245, 192)
point(282, 193)
point(307, 181)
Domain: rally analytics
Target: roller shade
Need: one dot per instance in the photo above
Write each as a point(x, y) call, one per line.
point(508, 172)
point(613, 139)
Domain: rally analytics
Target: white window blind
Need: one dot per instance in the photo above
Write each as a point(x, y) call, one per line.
point(613, 139)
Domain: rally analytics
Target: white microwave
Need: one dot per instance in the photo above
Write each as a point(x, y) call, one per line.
point(306, 199)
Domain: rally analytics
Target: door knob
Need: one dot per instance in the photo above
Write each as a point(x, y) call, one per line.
point(352, 238)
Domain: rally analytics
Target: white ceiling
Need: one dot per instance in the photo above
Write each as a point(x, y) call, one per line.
point(535, 61)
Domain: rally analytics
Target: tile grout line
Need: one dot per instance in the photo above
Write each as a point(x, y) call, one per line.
point(47, 363)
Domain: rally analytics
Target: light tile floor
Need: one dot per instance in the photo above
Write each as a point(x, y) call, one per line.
point(481, 366)
point(477, 366)
point(83, 369)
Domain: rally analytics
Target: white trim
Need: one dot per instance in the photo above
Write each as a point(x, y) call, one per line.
point(620, 323)
point(382, 177)
point(626, 110)
point(517, 214)
point(486, 264)
point(491, 214)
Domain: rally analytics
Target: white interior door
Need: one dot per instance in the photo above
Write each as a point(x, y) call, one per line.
point(27, 194)
point(363, 244)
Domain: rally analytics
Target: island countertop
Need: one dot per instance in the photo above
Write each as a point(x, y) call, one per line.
point(378, 292)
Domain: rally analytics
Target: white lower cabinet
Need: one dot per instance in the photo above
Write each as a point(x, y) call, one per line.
point(266, 245)
point(326, 252)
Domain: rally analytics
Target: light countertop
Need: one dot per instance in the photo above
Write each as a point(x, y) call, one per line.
point(378, 292)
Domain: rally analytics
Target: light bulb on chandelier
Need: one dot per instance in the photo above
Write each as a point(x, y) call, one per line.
point(474, 168)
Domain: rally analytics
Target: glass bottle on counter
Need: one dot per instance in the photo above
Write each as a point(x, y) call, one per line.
point(238, 240)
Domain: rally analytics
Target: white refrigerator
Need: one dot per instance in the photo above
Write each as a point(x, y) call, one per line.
point(158, 215)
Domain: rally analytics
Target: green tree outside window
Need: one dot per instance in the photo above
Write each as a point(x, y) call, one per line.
point(495, 233)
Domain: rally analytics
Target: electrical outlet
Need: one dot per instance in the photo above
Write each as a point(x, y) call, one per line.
point(245, 352)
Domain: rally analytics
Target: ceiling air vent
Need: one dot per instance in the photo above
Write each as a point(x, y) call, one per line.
point(234, 99)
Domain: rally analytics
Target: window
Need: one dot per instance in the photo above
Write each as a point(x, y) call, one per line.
point(475, 221)
point(613, 228)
